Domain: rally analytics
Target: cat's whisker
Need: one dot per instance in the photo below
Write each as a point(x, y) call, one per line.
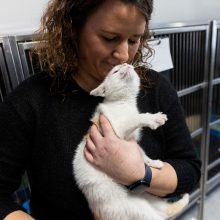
point(136, 66)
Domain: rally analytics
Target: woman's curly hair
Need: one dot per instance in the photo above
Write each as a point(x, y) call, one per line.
point(60, 26)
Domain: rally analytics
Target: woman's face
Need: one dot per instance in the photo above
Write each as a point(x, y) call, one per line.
point(111, 36)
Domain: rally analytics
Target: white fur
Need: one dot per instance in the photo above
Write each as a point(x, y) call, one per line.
point(108, 199)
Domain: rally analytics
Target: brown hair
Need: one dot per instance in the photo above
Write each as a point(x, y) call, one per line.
point(60, 26)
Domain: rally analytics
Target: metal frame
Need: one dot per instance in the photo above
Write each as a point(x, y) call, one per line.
point(14, 41)
point(213, 82)
point(207, 87)
point(13, 67)
point(22, 47)
point(4, 70)
point(172, 29)
point(177, 25)
point(207, 114)
point(187, 27)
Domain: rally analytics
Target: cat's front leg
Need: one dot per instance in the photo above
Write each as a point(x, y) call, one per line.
point(129, 125)
point(153, 121)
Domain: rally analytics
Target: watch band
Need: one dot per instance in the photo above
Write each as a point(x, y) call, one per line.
point(148, 174)
point(141, 185)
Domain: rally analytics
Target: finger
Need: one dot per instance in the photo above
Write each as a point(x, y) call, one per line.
point(90, 145)
point(95, 135)
point(88, 155)
point(106, 126)
point(96, 123)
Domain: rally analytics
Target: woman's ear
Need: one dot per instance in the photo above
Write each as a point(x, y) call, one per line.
point(99, 91)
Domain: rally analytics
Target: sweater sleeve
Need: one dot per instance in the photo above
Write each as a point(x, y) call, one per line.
point(13, 155)
point(179, 149)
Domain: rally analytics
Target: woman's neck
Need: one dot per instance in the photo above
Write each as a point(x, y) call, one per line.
point(86, 82)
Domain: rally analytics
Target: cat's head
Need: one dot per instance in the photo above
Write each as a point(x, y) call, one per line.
point(121, 82)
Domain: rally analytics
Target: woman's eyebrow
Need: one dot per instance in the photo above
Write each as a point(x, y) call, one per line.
point(115, 33)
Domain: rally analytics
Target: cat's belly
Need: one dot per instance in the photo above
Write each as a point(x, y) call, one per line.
point(118, 117)
point(85, 172)
point(93, 182)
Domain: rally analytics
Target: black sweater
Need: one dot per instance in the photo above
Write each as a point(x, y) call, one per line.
point(39, 132)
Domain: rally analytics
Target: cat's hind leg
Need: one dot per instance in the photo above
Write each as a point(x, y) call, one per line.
point(155, 163)
point(151, 163)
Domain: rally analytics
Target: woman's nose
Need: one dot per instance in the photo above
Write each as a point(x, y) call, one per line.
point(121, 52)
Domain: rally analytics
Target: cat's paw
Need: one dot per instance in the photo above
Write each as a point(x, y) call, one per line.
point(155, 163)
point(157, 120)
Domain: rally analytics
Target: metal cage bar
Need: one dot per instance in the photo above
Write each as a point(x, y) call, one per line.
point(5, 83)
point(208, 95)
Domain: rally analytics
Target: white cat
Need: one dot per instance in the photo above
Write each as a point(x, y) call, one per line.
point(108, 199)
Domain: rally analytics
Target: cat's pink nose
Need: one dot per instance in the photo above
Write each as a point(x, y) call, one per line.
point(125, 65)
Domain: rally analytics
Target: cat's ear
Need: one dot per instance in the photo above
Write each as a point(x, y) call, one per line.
point(99, 91)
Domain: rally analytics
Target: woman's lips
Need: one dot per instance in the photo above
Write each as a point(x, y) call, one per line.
point(110, 66)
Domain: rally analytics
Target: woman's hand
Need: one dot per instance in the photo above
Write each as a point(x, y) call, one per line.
point(118, 158)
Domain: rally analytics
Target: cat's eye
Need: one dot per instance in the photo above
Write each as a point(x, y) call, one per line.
point(115, 71)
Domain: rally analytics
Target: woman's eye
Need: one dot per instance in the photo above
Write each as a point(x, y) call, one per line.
point(113, 39)
point(132, 42)
point(108, 39)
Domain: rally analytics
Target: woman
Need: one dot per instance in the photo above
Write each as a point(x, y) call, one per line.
point(45, 118)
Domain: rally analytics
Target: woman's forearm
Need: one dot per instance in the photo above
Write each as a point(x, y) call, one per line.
point(18, 215)
point(164, 181)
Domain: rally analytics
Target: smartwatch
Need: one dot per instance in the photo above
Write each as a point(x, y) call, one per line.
point(140, 186)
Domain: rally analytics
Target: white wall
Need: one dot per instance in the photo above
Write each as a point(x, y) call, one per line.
point(21, 16)
point(185, 10)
